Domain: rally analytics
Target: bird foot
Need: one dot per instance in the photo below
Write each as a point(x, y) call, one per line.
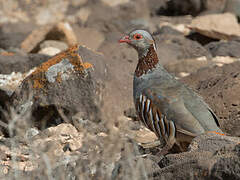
point(164, 151)
point(167, 147)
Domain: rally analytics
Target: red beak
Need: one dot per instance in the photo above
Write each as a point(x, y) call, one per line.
point(125, 40)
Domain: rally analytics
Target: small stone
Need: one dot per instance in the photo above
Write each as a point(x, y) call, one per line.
point(184, 74)
point(62, 129)
point(50, 51)
point(224, 60)
point(113, 3)
point(31, 133)
point(53, 43)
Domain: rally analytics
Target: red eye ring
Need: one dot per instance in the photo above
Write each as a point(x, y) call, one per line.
point(137, 36)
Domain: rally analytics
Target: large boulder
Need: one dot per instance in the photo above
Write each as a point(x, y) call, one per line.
point(218, 26)
point(63, 86)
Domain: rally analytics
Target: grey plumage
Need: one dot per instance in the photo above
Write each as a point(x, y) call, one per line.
point(166, 106)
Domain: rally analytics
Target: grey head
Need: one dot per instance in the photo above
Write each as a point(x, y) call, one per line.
point(141, 40)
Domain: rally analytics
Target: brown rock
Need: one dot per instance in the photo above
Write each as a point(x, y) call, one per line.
point(35, 38)
point(61, 31)
point(69, 35)
point(217, 26)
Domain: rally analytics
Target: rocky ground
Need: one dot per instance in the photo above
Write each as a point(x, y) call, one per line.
point(66, 107)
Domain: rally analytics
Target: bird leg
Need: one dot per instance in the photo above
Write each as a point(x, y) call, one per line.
point(170, 142)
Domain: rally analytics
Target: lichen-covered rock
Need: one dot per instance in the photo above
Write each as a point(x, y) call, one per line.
point(14, 67)
point(64, 84)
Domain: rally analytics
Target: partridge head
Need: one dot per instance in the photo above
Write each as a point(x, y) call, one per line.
point(140, 40)
point(174, 112)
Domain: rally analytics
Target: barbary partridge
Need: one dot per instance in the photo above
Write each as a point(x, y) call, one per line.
point(174, 112)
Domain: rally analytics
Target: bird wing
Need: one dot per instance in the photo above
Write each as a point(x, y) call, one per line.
point(169, 101)
point(200, 110)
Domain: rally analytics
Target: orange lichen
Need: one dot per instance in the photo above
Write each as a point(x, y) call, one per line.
point(87, 65)
point(6, 53)
point(37, 84)
point(71, 54)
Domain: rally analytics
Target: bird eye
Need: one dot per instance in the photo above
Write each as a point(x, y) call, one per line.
point(137, 36)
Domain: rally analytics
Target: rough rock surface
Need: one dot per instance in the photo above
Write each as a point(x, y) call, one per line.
point(220, 87)
point(215, 26)
point(20, 62)
point(209, 157)
point(57, 143)
point(230, 48)
point(11, 36)
point(63, 83)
